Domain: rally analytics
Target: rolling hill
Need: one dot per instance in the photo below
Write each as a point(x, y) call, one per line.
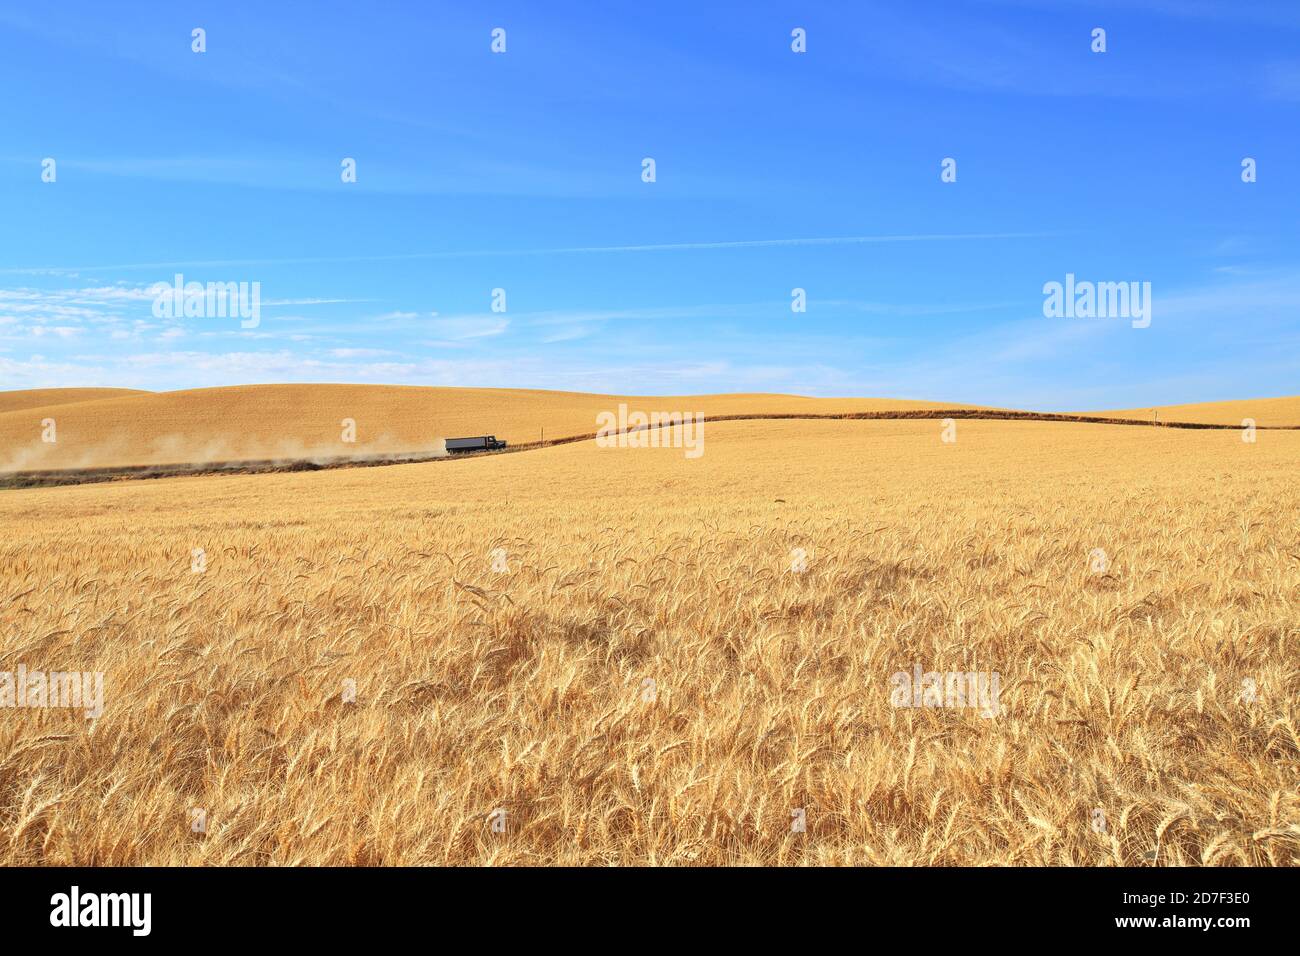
point(49, 397)
point(97, 428)
point(306, 421)
point(1265, 411)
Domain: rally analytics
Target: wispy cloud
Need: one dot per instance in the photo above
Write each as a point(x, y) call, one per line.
point(552, 251)
point(461, 327)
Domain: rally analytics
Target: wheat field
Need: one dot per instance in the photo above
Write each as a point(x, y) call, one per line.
point(584, 655)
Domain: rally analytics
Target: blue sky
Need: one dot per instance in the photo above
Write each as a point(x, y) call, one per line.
point(775, 170)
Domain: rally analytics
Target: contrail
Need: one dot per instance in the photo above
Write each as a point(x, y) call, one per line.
point(560, 251)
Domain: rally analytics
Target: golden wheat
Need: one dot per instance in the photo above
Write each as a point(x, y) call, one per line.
point(642, 658)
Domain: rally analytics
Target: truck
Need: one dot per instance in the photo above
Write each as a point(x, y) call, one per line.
point(463, 446)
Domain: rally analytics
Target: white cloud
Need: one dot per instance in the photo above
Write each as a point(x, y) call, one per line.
point(358, 353)
point(461, 327)
point(58, 331)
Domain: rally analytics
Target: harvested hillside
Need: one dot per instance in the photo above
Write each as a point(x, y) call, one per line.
point(1271, 412)
point(40, 398)
point(305, 422)
point(312, 423)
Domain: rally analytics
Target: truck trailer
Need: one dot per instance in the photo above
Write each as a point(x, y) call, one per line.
point(463, 446)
